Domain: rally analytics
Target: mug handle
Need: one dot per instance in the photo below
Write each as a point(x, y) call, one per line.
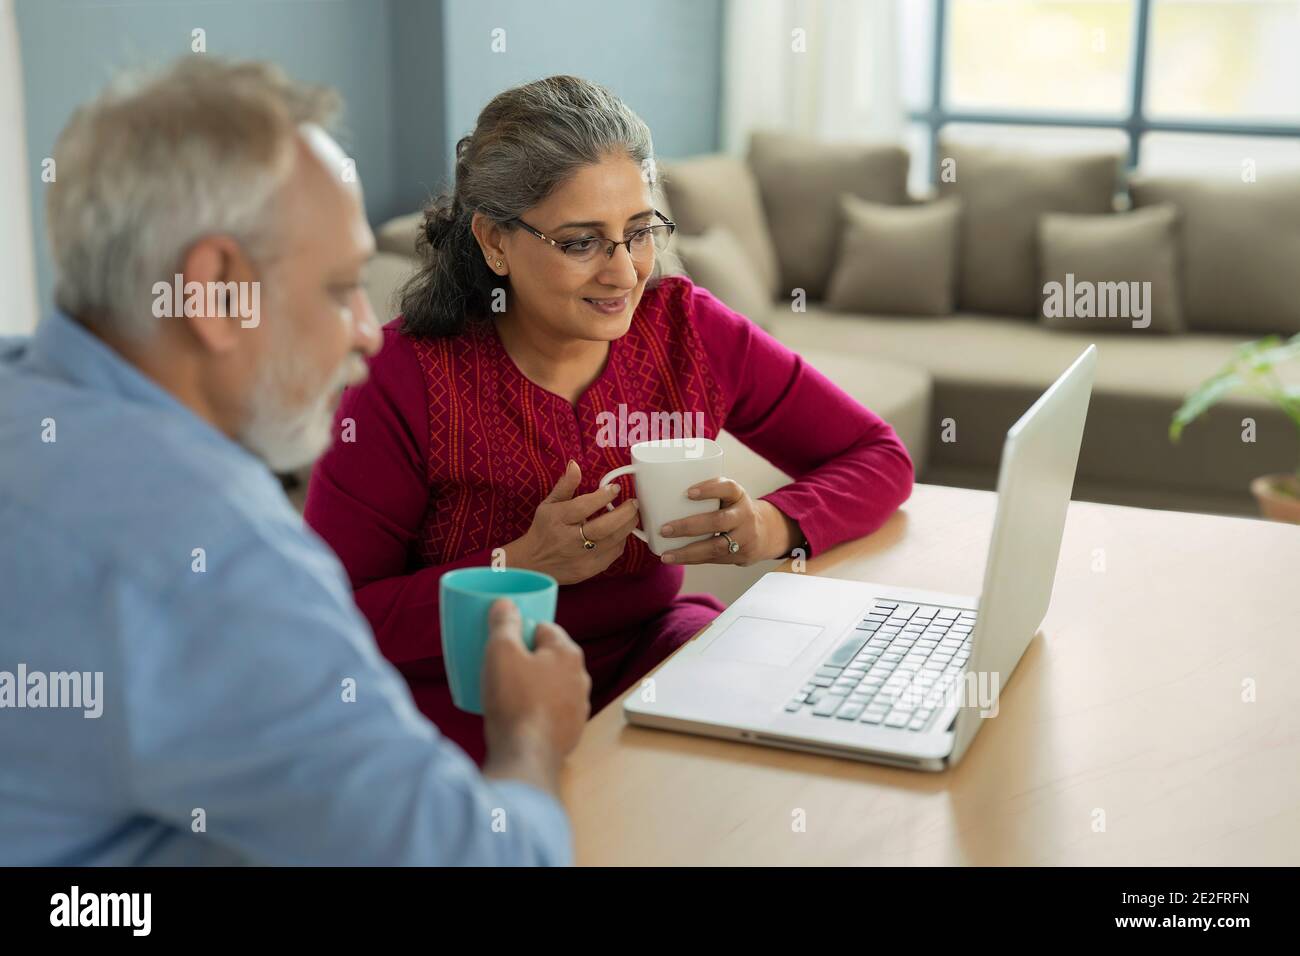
point(618, 473)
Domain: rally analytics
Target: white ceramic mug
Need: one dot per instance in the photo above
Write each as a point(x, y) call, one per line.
point(663, 470)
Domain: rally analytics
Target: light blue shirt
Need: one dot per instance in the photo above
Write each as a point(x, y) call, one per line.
point(245, 713)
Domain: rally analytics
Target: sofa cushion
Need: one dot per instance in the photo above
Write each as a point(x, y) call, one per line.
point(1092, 266)
point(384, 276)
point(987, 370)
point(720, 190)
point(716, 261)
point(895, 392)
point(1003, 193)
point(801, 180)
point(897, 260)
point(898, 392)
point(1240, 250)
point(398, 235)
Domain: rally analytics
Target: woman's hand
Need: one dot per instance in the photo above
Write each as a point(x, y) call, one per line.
point(761, 530)
point(553, 544)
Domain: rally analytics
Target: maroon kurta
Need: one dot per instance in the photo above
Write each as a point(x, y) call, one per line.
point(453, 448)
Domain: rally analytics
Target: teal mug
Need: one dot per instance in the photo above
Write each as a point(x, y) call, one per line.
point(464, 596)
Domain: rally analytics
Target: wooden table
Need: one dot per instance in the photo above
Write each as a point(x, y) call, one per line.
point(1125, 736)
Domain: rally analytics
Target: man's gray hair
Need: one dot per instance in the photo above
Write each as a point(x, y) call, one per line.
point(158, 161)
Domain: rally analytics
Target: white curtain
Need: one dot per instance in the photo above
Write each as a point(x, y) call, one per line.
point(825, 68)
point(17, 256)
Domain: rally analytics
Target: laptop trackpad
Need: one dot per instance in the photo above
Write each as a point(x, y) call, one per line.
point(757, 640)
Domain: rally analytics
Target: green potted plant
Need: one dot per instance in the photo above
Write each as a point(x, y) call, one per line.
point(1253, 370)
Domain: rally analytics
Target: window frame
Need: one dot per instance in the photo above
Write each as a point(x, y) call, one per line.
point(1133, 125)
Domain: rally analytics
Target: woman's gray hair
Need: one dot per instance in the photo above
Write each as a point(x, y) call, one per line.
point(527, 141)
point(160, 160)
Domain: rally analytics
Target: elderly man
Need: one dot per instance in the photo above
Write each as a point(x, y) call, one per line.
point(183, 675)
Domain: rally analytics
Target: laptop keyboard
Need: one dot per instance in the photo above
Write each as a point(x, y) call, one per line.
point(894, 669)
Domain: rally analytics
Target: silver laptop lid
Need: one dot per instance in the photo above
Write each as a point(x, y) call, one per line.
point(1035, 480)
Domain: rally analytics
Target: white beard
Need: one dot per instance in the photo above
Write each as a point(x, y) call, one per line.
point(284, 438)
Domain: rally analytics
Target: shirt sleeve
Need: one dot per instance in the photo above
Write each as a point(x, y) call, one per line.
point(367, 499)
point(851, 471)
point(264, 718)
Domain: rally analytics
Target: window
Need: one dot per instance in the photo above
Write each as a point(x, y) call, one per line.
point(1060, 56)
point(1218, 156)
point(1221, 60)
point(1193, 81)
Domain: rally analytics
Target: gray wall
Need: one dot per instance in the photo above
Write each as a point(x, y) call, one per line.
point(662, 58)
point(413, 73)
point(71, 47)
point(419, 102)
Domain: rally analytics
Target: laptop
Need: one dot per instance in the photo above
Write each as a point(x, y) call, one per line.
point(878, 673)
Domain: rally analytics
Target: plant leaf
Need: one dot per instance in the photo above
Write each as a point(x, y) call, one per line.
point(1265, 359)
point(1209, 392)
point(1246, 349)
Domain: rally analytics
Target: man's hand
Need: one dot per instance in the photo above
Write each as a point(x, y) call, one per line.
point(535, 704)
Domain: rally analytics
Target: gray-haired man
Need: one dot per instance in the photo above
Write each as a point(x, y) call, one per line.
point(229, 705)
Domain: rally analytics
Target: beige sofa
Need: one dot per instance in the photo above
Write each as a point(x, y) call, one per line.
point(1236, 253)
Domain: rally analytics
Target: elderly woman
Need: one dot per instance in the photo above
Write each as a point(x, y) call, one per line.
point(477, 438)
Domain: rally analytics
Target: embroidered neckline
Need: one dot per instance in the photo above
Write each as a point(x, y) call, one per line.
point(492, 336)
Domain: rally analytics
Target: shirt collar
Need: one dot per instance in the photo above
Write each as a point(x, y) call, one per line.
point(64, 347)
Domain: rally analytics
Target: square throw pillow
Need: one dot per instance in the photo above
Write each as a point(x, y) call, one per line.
point(1003, 193)
point(1240, 250)
point(719, 190)
point(1114, 272)
point(896, 260)
point(717, 262)
point(801, 180)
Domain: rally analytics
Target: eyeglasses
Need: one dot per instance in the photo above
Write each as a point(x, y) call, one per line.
point(642, 245)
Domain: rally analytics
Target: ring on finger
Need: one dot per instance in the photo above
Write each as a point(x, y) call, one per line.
point(733, 546)
point(586, 542)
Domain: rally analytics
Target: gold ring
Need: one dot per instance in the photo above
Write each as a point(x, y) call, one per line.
point(585, 543)
point(732, 546)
